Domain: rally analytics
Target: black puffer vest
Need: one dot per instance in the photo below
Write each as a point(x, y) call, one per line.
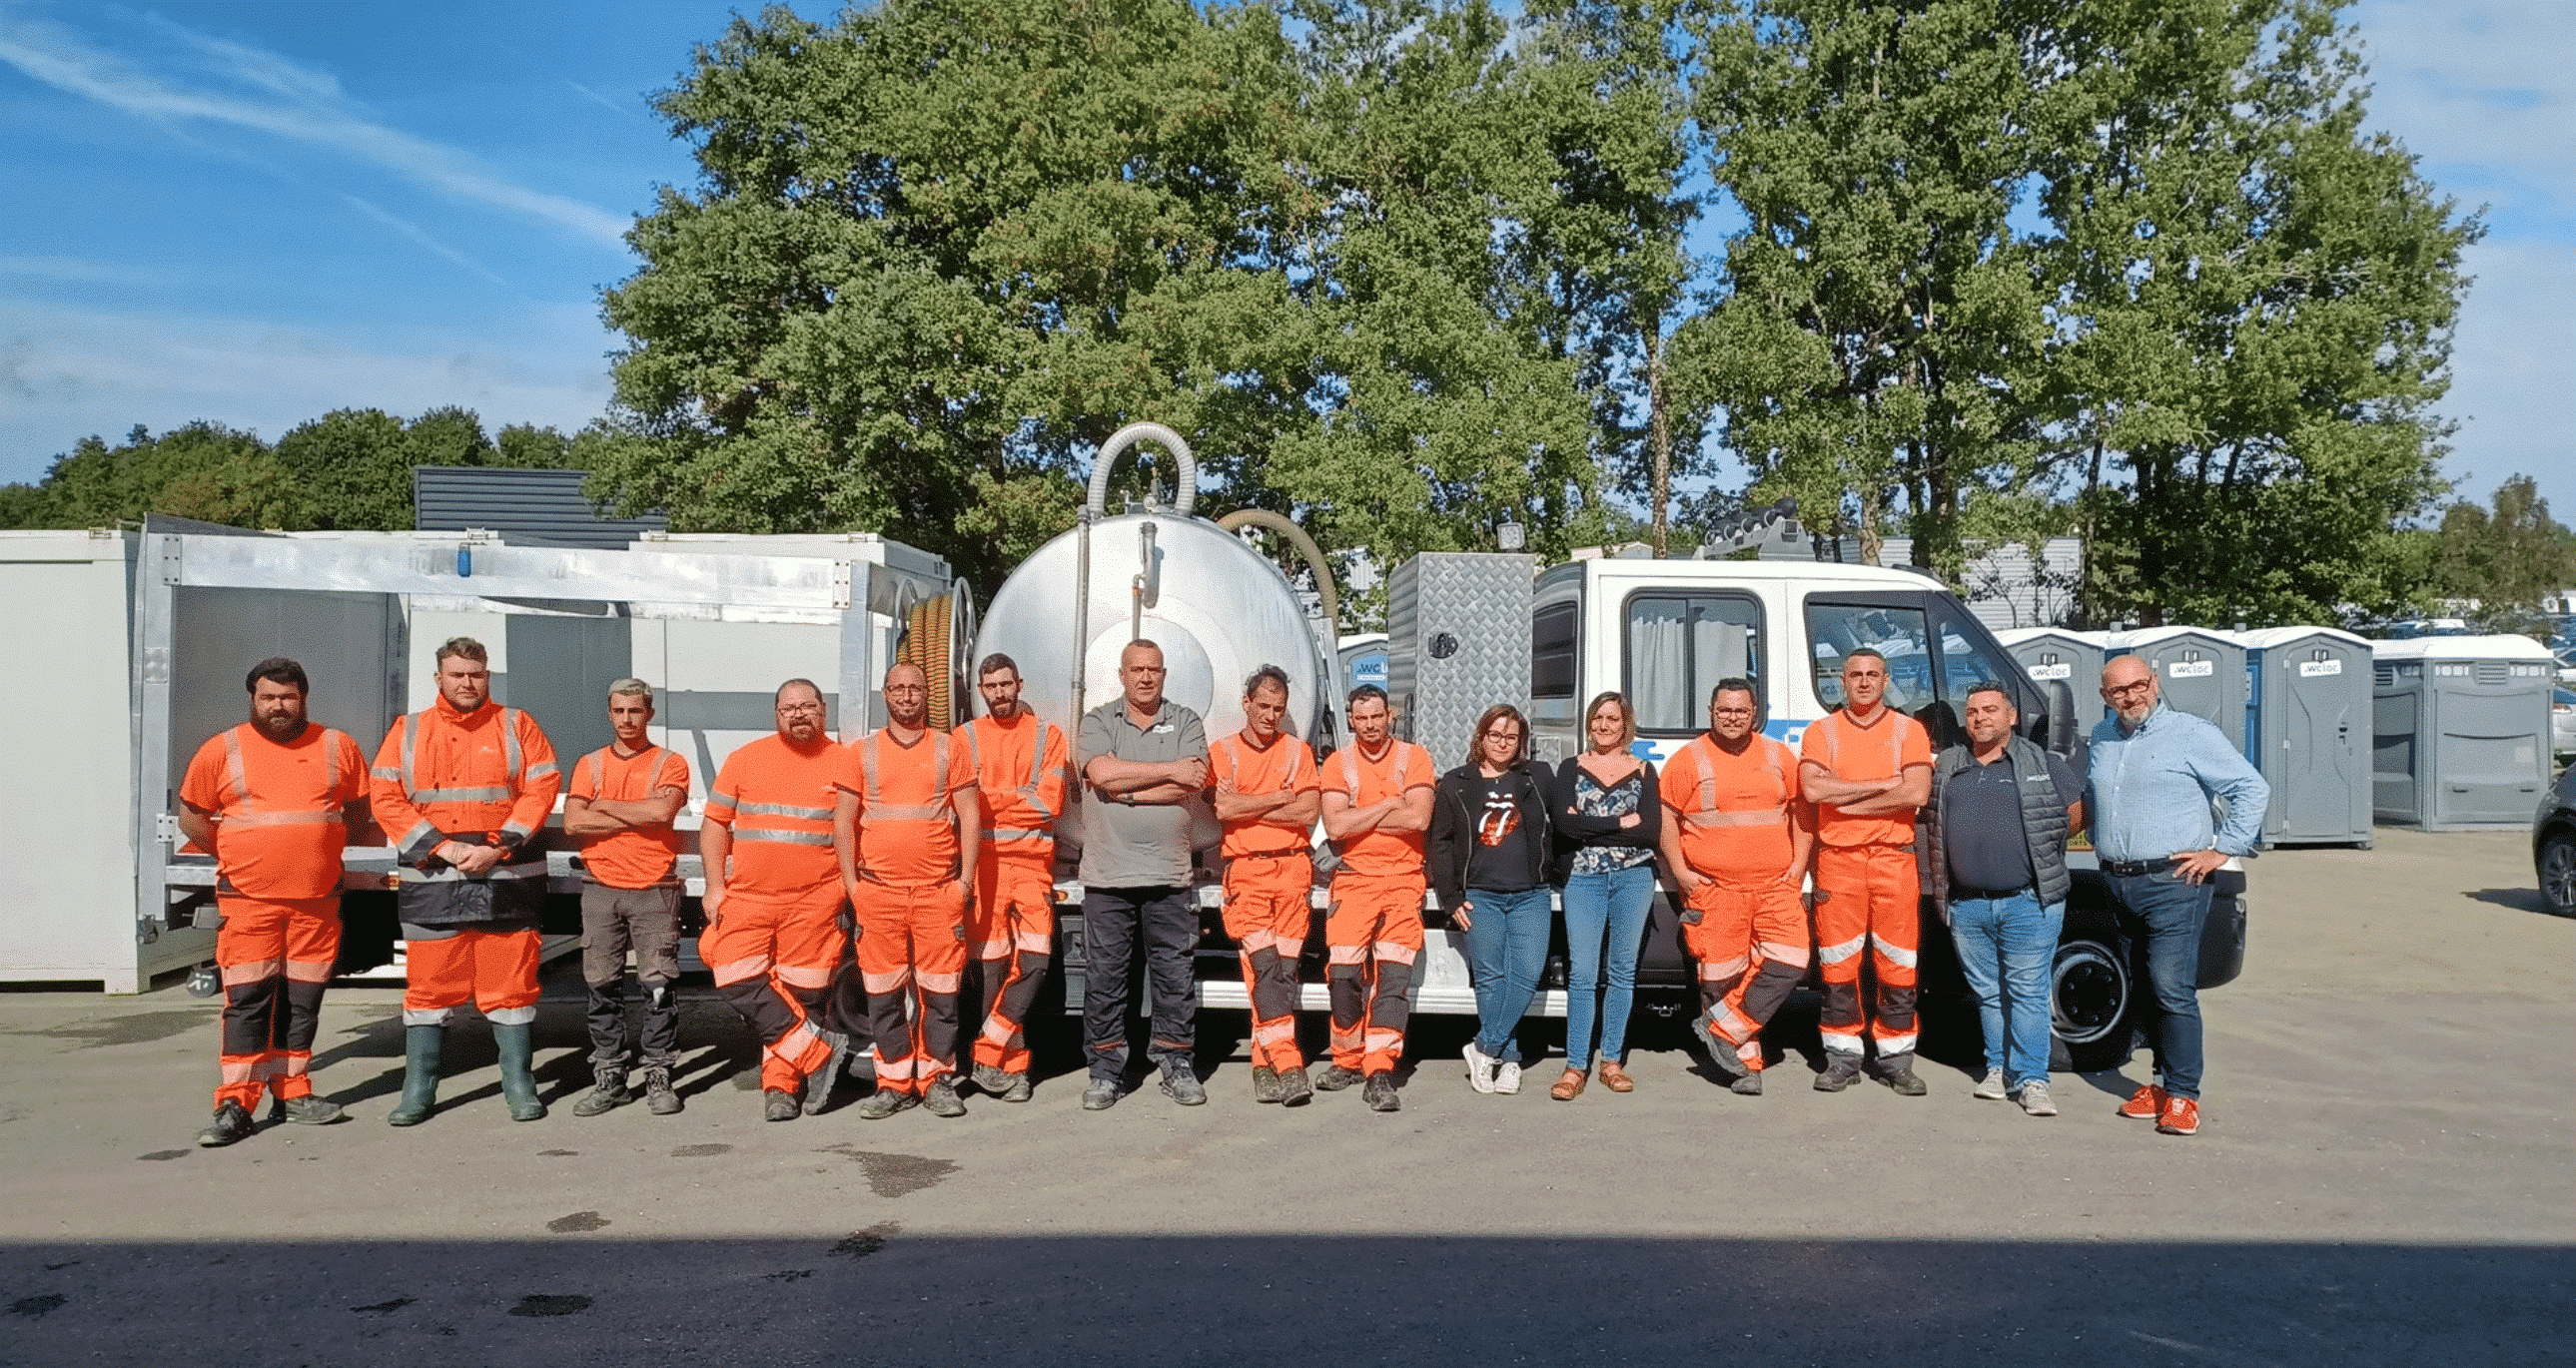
point(2043, 822)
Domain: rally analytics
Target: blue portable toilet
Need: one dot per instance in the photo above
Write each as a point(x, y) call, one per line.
point(2307, 728)
point(1363, 660)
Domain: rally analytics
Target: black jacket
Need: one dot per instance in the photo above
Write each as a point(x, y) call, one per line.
point(1454, 801)
point(1573, 831)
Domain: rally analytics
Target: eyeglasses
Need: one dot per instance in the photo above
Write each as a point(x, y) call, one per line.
point(1731, 712)
point(792, 709)
point(2125, 690)
point(1498, 734)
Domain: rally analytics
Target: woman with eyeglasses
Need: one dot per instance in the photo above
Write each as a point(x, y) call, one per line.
point(1608, 810)
point(1491, 838)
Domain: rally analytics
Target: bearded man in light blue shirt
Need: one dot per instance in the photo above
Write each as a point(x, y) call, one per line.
point(2153, 775)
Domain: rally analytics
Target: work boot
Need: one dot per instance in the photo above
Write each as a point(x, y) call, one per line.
point(231, 1123)
point(991, 1079)
point(778, 1104)
point(607, 1093)
point(941, 1098)
point(1334, 1078)
point(309, 1110)
point(422, 1047)
point(1295, 1089)
point(1265, 1085)
point(884, 1102)
point(517, 1044)
point(658, 1097)
point(1380, 1092)
point(1181, 1084)
point(1100, 1095)
point(1904, 1082)
point(1019, 1090)
point(818, 1084)
point(1838, 1075)
point(1720, 1054)
point(1749, 1085)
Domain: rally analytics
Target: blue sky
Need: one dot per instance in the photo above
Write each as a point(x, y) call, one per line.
point(257, 213)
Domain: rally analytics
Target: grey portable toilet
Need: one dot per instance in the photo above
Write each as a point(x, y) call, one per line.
point(2307, 728)
point(2198, 670)
point(2047, 653)
point(2460, 730)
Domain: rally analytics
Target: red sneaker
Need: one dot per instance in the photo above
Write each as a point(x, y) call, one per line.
point(2181, 1116)
point(2146, 1104)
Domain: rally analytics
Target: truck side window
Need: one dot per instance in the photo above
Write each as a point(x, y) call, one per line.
point(1679, 646)
point(1835, 630)
point(1553, 673)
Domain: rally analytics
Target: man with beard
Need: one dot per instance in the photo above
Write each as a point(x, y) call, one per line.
point(1377, 809)
point(1867, 768)
point(1021, 766)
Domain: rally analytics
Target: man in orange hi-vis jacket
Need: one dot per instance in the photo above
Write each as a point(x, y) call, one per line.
point(462, 788)
point(1867, 768)
point(1377, 809)
point(1022, 765)
point(774, 898)
point(1737, 838)
point(1266, 794)
point(270, 801)
point(906, 826)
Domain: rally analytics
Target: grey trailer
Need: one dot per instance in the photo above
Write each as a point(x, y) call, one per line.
point(2200, 671)
point(2459, 731)
point(2307, 716)
point(1457, 642)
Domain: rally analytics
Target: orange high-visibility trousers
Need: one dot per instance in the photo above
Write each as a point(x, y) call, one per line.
point(1011, 928)
point(276, 956)
point(773, 961)
point(1751, 945)
point(1868, 895)
point(912, 955)
point(1373, 933)
point(495, 970)
point(1269, 911)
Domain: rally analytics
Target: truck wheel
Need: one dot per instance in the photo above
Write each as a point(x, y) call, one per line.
point(2558, 873)
point(205, 981)
point(2090, 997)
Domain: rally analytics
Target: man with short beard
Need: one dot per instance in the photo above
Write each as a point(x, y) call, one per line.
point(1023, 768)
point(1867, 768)
point(271, 800)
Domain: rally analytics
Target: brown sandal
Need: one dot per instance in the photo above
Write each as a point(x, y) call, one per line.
point(1616, 1079)
point(1569, 1086)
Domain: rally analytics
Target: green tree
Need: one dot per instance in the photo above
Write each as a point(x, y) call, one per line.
point(350, 470)
point(2505, 556)
point(201, 470)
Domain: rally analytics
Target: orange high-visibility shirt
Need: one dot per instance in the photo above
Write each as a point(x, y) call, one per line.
point(907, 805)
point(279, 828)
point(1021, 765)
point(630, 857)
point(1404, 766)
point(1287, 765)
point(776, 801)
point(443, 772)
point(1850, 751)
point(1738, 813)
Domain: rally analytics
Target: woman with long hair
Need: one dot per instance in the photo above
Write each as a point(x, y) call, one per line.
point(1489, 854)
point(1606, 807)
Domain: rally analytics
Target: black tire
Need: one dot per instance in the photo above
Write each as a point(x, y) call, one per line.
point(2092, 994)
point(2557, 867)
point(205, 981)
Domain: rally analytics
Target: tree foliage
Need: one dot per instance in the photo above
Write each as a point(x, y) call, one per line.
point(2505, 556)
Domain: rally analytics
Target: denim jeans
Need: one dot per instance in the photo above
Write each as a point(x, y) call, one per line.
point(2164, 918)
point(1603, 909)
point(2006, 947)
point(1506, 948)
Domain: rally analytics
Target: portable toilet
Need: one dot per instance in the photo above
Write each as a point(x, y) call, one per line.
point(2307, 714)
point(2199, 671)
point(2460, 730)
point(2046, 653)
point(1363, 661)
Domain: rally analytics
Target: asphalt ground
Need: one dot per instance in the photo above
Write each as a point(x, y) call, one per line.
point(2383, 1177)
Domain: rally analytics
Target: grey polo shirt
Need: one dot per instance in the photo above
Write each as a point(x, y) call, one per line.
point(1136, 847)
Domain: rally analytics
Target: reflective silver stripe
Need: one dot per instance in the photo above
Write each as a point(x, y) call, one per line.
point(327, 817)
point(907, 812)
point(510, 757)
point(1707, 814)
point(1037, 773)
point(543, 769)
point(461, 795)
point(330, 763)
point(783, 836)
point(517, 828)
point(662, 768)
point(1015, 834)
point(810, 814)
point(598, 773)
point(412, 837)
point(233, 765)
point(382, 772)
point(718, 798)
point(411, 734)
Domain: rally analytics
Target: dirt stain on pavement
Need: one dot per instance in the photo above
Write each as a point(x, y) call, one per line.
point(700, 1151)
point(894, 1175)
point(542, 1305)
point(137, 1028)
point(859, 1244)
point(557, 1154)
point(577, 1222)
point(37, 1306)
point(159, 1155)
point(789, 1274)
point(383, 1308)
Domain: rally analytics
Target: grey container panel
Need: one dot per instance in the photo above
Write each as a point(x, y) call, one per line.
point(1458, 642)
point(2311, 725)
point(2395, 780)
point(345, 642)
point(2493, 757)
point(560, 670)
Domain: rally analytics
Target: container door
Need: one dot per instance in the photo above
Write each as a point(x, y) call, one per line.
point(2491, 756)
point(560, 670)
point(2312, 723)
point(2395, 718)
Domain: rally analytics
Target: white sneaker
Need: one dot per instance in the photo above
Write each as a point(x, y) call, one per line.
point(1992, 1089)
point(2035, 1100)
point(1507, 1077)
point(1480, 1068)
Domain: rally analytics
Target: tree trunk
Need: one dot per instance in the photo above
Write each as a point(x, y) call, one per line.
point(1659, 432)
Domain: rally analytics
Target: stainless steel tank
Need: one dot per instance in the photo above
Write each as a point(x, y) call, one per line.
point(1219, 609)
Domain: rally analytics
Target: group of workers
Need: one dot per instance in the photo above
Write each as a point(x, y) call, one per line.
point(859, 895)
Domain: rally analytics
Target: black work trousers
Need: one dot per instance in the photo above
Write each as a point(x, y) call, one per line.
point(1164, 921)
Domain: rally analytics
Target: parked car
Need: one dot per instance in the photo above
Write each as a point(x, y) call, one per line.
point(2553, 846)
point(2566, 664)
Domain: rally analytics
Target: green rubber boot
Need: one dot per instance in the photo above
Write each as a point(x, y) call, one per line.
point(422, 1046)
point(518, 1048)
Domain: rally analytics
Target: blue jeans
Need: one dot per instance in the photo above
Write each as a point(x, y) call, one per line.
point(1603, 909)
point(2164, 919)
point(2006, 946)
point(1506, 949)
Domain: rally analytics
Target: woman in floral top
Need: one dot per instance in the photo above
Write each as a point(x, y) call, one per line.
point(1609, 812)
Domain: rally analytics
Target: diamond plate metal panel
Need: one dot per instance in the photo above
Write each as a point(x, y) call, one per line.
point(1458, 642)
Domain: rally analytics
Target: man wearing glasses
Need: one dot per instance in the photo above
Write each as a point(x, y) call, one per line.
point(2154, 772)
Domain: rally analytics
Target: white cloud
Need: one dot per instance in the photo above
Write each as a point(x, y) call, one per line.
point(62, 367)
point(2511, 371)
point(262, 91)
point(420, 235)
point(2483, 89)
